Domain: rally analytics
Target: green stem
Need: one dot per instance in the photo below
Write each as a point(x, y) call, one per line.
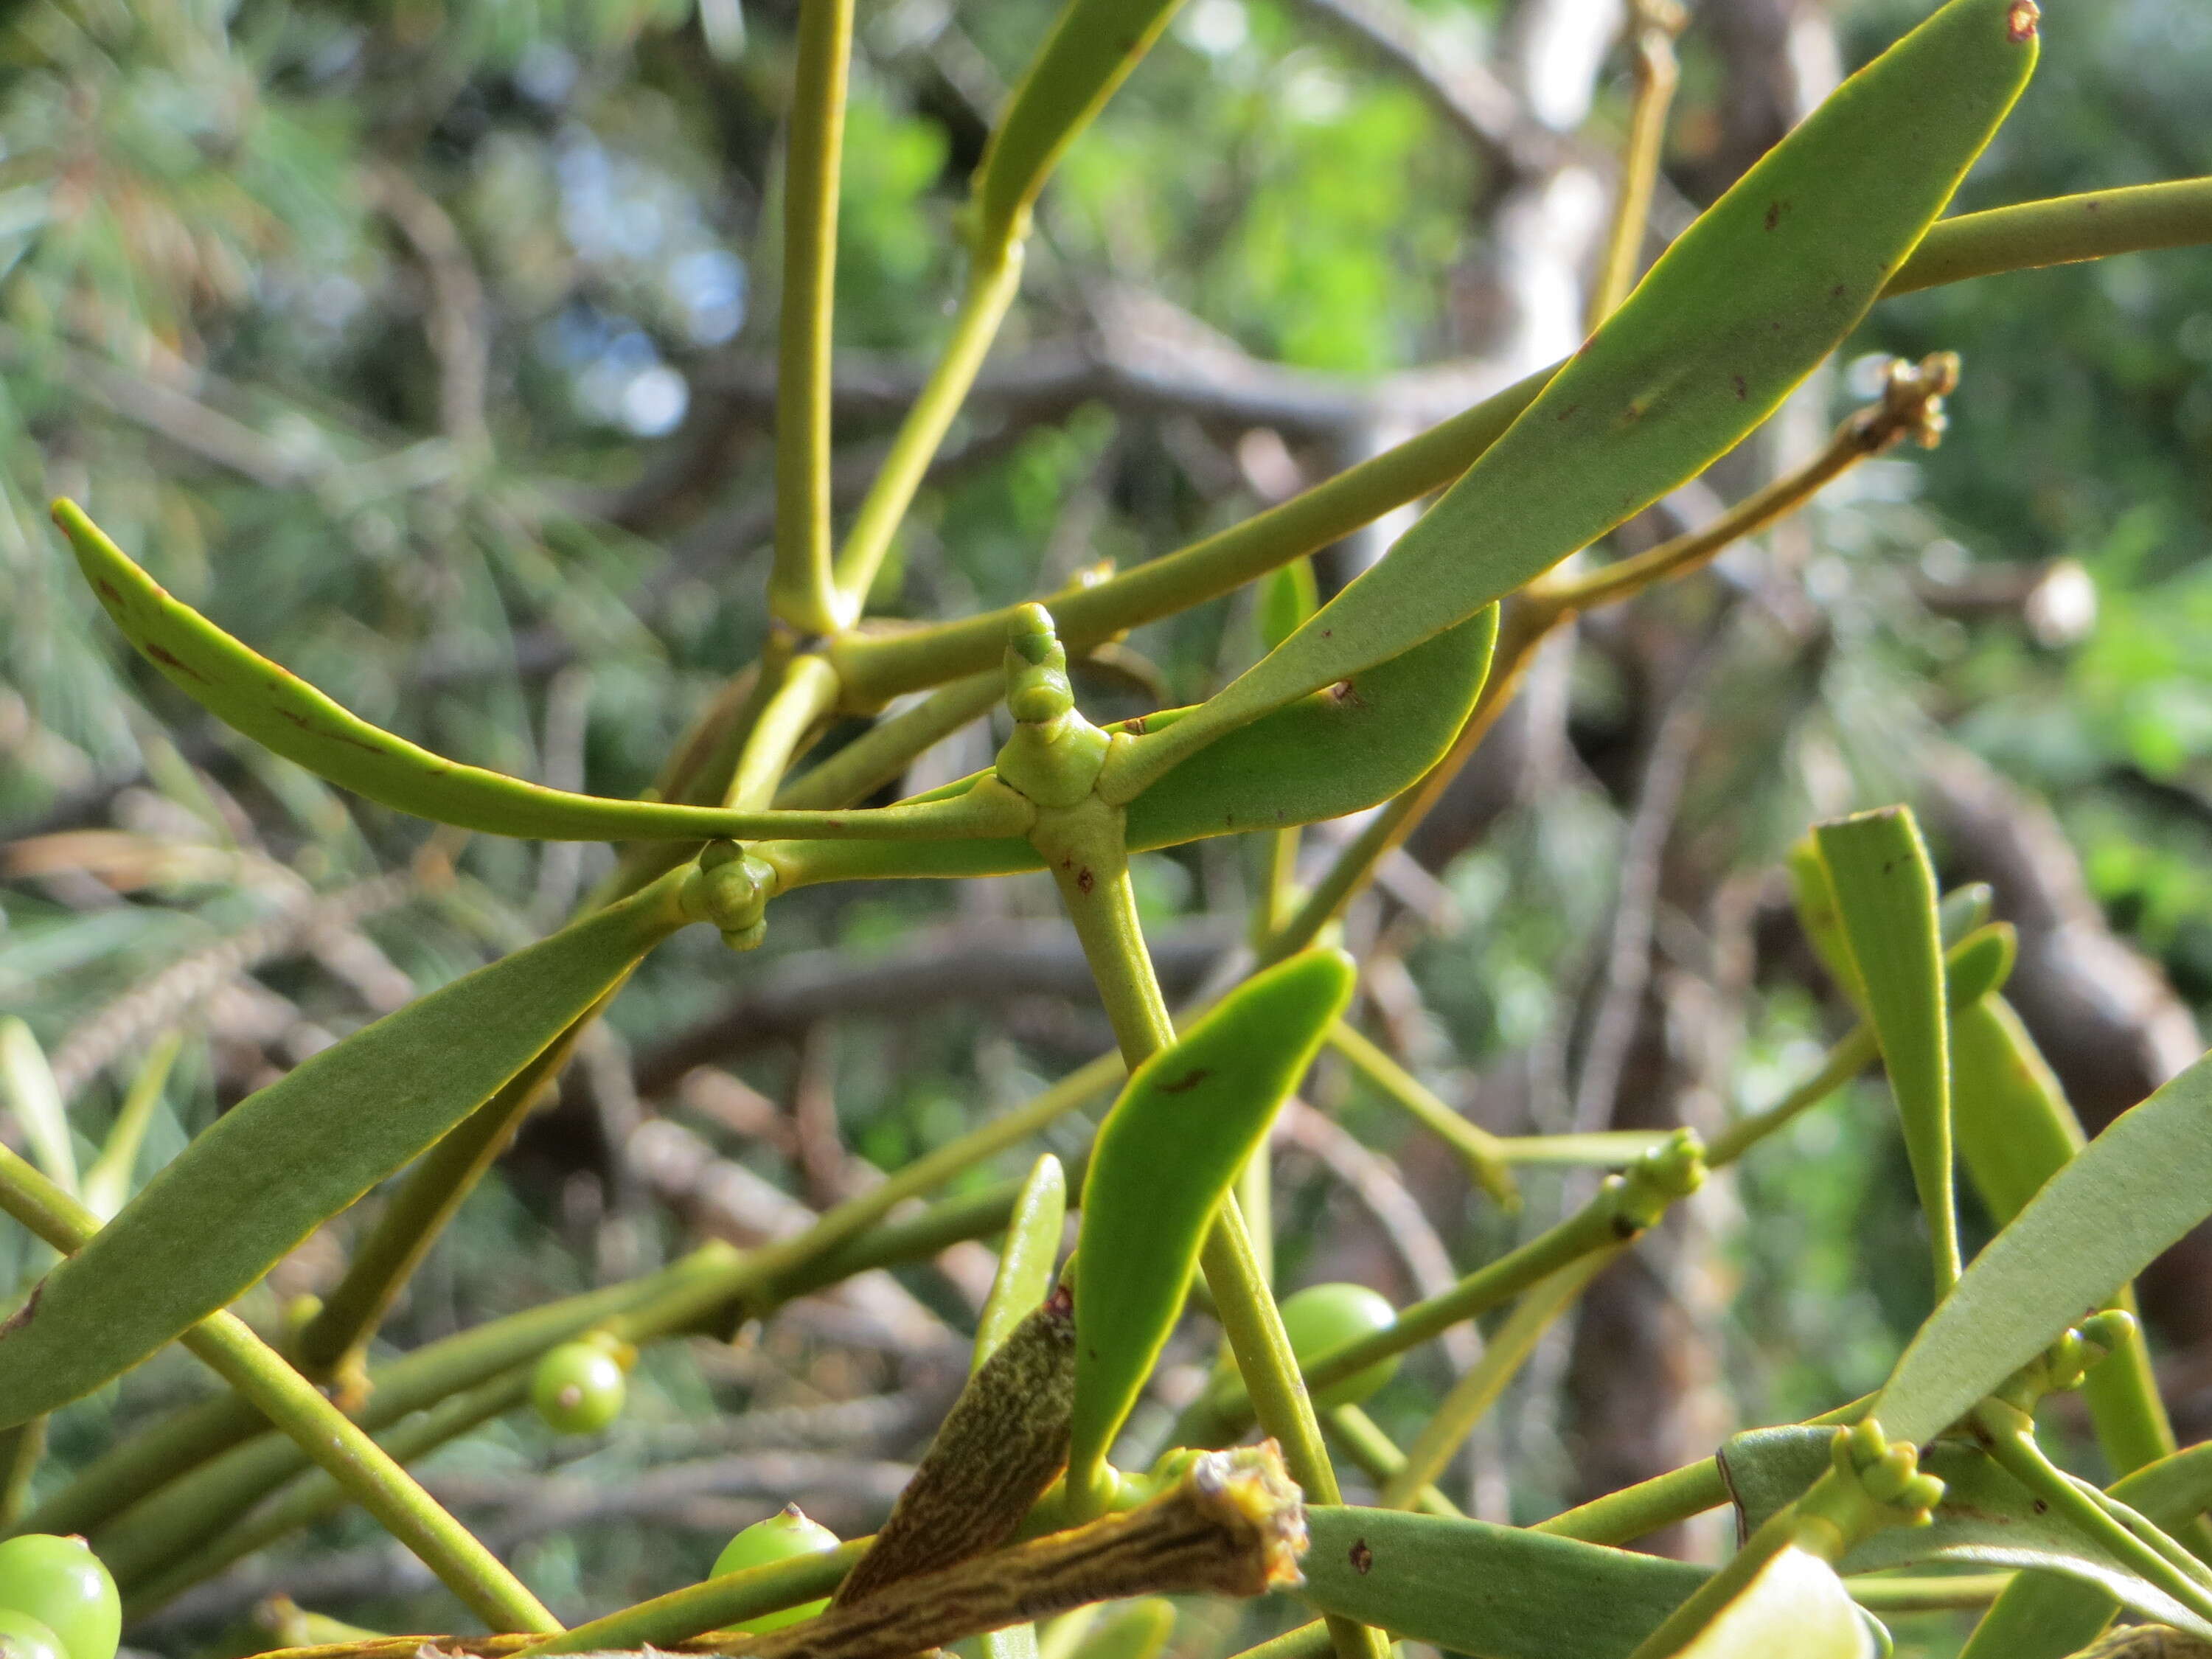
point(1706, 1602)
point(223, 1342)
point(874, 759)
point(2012, 1444)
point(21, 1449)
point(804, 692)
point(1377, 1453)
point(992, 281)
point(802, 593)
point(1305, 1642)
point(878, 666)
point(1595, 1227)
point(1474, 1393)
point(2060, 231)
point(1604, 1147)
point(1485, 1154)
point(315, 1496)
point(1655, 23)
point(719, 1603)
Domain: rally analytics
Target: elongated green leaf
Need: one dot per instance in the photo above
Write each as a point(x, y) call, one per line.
point(108, 1182)
point(1288, 595)
point(2125, 1197)
point(1814, 897)
point(289, 717)
point(27, 1089)
point(2013, 1125)
point(1743, 305)
point(1187, 1120)
point(1986, 1519)
point(1488, 1591)
point(286, 1159)
point(1094, 44)
point(2015, 1131)
point(1795, 1605)
point(1885, 894)
point(2044, 1617)
point(1025, 1262)
point(1335, 752)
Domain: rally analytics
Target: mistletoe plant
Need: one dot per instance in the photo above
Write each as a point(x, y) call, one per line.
point(1018, 1510)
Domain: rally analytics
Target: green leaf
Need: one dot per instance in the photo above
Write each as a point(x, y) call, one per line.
point(108, 1182)
point(1744, 305)
point(1093, 45)
point(1488, 1591)
point(1187, 1120)
point(2042, 1616)
point(1288, 595)
point(2015, 1130)
point(1795, 1605)
point(286, 1159)
point(1335, 752)
point(1885, 895)
point(1026, 1259)
point(2010, 1117)
point(289, 717)
point(1986, 1519)
point(27, 1087)
point(2125, 1197)
point(1814, 897)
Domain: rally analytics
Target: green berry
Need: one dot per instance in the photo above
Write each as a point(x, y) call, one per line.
point(23, 1637)
point(62, 1586)
point(1325, 1317)
point(578, 1388)
point(779, 1538)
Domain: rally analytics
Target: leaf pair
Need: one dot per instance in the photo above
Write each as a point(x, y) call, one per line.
point(1335, 752)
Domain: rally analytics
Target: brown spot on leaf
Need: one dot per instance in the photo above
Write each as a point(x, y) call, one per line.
point(108, 588)
point(1774, 212)
point(1568, 410)
point(169, 659)
point(1188, 1081)
point(1743, 390)
point(1135, 727)
point(2020, 22)
point(2041, 1507)
point(23, 1315)
point(1363, 1558)
point(1346, 695)
point(1084, 880)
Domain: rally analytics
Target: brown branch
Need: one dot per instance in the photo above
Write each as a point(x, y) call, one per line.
point(457, 323)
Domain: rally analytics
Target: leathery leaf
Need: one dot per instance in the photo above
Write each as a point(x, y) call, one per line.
point(1172, 1144)
point(1489, 1591)
point(286, 715)
point(1884, 890)
point(1337, 751)
point(286, 1159)
point(2042, 1616)
point(1743, 305)
point(1093, 45)
point(1986, 1519)
point(2125, 1197)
